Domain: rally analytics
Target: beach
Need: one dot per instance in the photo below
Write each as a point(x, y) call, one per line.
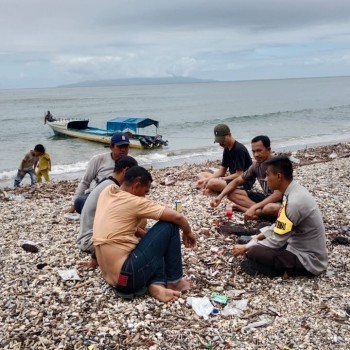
point(41, 310)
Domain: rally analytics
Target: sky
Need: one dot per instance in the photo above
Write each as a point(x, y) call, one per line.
point(50, 43)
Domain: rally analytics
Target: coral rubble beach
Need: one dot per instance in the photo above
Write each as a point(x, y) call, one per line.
point(40, 310)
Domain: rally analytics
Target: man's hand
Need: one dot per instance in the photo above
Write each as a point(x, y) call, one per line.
point(239, 249)
point(250, 214)
point(189, 239)
point(202, 183)
point(91, 264)
point(215, 202)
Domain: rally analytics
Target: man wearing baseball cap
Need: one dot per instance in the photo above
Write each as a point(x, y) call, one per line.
point(99, 167)
point(235, 158)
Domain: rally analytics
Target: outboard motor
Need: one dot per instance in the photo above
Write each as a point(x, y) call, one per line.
point(143, 141)
point(159, 141)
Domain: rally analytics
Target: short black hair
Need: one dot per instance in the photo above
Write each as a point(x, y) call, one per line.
point(281, 164)
point(138, 173)
point(39, 148)
point(124, 162)
point(264, 139)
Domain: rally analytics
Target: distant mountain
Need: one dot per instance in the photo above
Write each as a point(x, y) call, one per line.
point(137, 81)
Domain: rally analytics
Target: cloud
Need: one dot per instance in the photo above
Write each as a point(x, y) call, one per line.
point(47, 43)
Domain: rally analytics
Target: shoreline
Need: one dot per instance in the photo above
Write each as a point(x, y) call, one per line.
point(195, 160)
point(40, 310)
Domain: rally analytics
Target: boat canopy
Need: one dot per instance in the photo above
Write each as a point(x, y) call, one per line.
point(129, 124)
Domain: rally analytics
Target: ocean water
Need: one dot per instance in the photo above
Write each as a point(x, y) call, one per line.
point(294, 113)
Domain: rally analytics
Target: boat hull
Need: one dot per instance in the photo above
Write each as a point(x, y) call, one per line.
point(90, 134)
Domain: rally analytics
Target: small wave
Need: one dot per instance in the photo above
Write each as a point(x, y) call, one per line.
point(56, 170)
point(7, 175)
point(69, 168)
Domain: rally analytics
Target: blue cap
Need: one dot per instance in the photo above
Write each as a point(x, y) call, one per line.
point(119, 139)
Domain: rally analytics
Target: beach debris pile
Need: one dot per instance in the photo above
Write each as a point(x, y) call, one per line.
point(48, 304)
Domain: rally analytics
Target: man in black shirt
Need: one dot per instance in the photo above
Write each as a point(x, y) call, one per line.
point(235, 158)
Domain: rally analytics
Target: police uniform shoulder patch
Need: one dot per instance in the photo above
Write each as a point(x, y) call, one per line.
point(283, 225)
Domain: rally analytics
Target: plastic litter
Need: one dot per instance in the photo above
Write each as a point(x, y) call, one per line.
point(235, 308)
point(14, 197)
point(69, 275)
point(202, 306)
point(216, 250)
point(252, 326)
point(72, 216)
point(222, 299)
point(234, 293)
point(215, 311)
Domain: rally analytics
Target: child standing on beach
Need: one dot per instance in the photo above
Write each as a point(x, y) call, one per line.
point(44, 164)
point(27, 166)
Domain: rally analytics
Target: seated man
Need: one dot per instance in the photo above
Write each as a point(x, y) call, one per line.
point(235, 157)
point(253, 204)
point(296, 243)
point(99, 167)
point(130, 264)
point(84, 239)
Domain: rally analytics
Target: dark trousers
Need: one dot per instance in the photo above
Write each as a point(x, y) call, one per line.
point(280, 260)
point(79, 202)
point(155, 260)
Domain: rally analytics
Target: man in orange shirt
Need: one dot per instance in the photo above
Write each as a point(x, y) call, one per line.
point(130, 260)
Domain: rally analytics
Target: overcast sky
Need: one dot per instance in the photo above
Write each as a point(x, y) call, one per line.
point(48, 43)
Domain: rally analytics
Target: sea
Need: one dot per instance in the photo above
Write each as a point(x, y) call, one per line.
point(294, 113)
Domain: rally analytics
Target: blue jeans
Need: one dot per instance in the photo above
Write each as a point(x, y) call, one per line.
point(155, 260)
point(79, 202)
point(19, 177)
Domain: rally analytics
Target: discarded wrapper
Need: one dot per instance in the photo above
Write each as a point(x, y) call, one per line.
point(235, 308)
point(216, 250)
point(69, 275)
point(72, 216)
point(252, 326)
point(219, 298)
point(202, 306)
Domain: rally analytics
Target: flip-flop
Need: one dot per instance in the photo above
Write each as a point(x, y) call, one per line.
point(238, 230)
point(341, 240)
point(252, 268)
point(244, 239)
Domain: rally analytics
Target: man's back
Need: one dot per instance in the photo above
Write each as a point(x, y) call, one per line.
point(117, 216)
point(87, 217)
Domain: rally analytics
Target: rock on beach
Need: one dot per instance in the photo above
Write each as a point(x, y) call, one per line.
point(42, 310)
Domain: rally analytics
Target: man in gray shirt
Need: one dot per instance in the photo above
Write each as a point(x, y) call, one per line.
point(99, 167)
point(296, 243)
point(122, 164)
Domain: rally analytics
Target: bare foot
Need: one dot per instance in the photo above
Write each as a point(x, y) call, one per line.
point(181, 285)
point(163, 294)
